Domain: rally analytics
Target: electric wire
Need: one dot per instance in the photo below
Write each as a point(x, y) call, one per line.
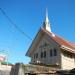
point(15, 25)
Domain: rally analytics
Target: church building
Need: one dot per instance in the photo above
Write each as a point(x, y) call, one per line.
point(49, 49)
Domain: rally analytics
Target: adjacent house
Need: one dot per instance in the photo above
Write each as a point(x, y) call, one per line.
point(50, 49)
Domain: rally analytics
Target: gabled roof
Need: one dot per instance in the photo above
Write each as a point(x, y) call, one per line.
point(34, 42)
point(64, 44)
point(60, 40)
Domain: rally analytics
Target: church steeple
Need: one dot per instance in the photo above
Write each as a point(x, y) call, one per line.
point(46, 24)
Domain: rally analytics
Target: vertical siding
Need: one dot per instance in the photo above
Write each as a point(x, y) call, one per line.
point(48, 60)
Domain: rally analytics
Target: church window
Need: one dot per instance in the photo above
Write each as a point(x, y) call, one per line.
point(55, 52)
point(44, 54)
point(41, 54)
point(51, 53)
point(36, 55)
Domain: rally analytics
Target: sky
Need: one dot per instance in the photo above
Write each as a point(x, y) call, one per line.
point(29, 16)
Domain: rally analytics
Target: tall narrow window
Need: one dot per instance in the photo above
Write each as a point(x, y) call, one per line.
point(44, 54)
point(51, 53)
point(36, 55)
point(41, 54)
point(55, 52)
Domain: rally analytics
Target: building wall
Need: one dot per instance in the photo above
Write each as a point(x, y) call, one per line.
point(67, 62)
point(5, 70)
point(5, 67)
point(51, 45)
point(63, 61)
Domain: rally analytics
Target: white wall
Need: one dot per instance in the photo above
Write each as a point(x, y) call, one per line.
point(67, 62)
point(5, 67)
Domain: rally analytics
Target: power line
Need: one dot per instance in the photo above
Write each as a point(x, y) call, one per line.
point(9, 19)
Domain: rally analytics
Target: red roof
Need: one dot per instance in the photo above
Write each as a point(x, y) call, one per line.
point(60, 40)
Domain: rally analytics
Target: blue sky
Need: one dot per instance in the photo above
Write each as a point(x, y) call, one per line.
point(29, 16)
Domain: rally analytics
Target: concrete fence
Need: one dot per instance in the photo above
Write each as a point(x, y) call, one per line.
point(5, 69)
point(21, 69)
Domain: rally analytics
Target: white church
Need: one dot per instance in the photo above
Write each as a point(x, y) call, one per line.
point(48, 49)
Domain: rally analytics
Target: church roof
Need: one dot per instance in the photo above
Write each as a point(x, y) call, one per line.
point(64, 44)
point(60, 40)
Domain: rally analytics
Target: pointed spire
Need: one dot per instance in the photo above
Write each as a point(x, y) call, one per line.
point(46, 19)
point(46, 22)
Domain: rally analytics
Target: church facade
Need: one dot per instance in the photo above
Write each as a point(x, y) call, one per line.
point(51, 50)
